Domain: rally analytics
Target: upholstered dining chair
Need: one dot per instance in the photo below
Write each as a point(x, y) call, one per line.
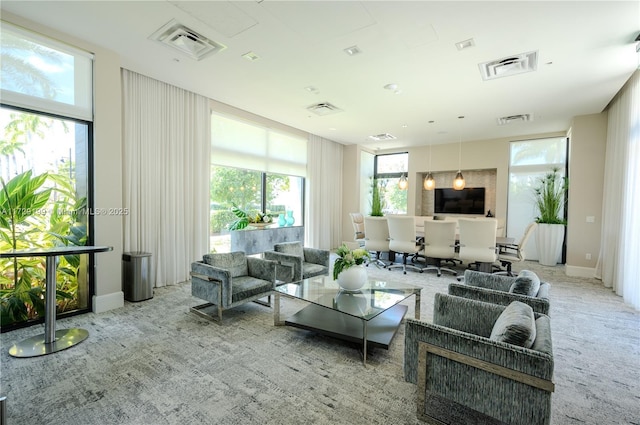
point(377, 238)
point(357, 220)
point(509, 254)
point(477, 243)
point(298, 262)
point(226, 280)
point(402, 239)
point(439, 244)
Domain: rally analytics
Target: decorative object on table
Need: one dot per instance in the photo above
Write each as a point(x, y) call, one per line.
point(348, 269)
point(289, 218)
point(259, 219)
point(550, 198)
point(281, 220)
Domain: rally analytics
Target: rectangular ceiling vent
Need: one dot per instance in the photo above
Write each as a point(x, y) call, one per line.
point(187, 41)
point(515, 118)
point(324, 108)
point(382, 137)
point(510, 65)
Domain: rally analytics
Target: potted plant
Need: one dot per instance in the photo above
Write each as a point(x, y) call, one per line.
point(244, 219)
point(376, 200)
point(348, 269)
point(550, 197)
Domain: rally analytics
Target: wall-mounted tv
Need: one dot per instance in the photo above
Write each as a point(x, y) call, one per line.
point(469, 200)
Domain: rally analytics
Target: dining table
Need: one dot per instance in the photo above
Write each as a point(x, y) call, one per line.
point(52, 340)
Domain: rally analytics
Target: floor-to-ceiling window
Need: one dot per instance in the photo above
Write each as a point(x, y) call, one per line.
point(529, 161)
point(257, 169)
point(45, 168)
point(391, 176)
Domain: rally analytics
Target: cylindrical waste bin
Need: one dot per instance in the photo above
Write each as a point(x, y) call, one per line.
point(136, 276)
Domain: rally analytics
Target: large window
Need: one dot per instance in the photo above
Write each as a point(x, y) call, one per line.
point(529, 161)
point(389, 170)
point(44, 173)
point(256, 168)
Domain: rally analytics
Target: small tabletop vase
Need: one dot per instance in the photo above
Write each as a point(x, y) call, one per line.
point(353, 278)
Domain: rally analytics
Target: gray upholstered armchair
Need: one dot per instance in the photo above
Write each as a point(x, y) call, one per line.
point(230, 279)
point(498, 289)
point(303, 262)
point(468, 371)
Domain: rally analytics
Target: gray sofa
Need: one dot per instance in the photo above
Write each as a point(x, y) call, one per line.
point(496, 289)
point(467, 375)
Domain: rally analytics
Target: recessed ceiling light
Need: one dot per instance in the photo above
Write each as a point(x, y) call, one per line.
point(461, 45)
point(312, 89)
point(353, 50)
point(250, 56)
point(391, 86)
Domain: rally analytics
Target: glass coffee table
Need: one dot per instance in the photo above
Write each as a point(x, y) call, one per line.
point(370, 316)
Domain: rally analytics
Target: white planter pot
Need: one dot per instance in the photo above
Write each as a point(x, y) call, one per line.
point(549, 238)
point(353, 278)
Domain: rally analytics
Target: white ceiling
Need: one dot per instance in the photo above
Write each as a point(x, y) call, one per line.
point(586, 51)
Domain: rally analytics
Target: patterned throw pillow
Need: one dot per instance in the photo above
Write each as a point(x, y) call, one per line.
point(527, 283)
point(516, 325)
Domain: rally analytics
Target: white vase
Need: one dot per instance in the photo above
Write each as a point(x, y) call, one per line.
point(353, 278)
point(549, 238)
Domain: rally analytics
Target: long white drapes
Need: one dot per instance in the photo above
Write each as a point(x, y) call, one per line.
point(619, 260)
point(323, 225)
point(166, 175)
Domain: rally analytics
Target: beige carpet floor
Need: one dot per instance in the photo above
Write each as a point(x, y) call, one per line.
point(153, 362)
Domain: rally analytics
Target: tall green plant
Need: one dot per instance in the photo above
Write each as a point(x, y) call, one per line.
point(550, 197)
point(376, 199)
point(20, 199)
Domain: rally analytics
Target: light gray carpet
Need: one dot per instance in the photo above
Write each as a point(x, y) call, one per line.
point(155, 363)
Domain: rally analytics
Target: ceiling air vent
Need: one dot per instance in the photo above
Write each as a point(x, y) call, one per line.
point(186, 40)
point(511, 65)
point(515, 118)
point(382, 137)
point(324, 108)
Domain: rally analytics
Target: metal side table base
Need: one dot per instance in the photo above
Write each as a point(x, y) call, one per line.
point(36, 346)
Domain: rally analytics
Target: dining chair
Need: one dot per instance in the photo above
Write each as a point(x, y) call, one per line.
point(402, 239)
point(439, 244)
point(357, 220)
point(377, 238)
point(509, 254)
point(477, 243)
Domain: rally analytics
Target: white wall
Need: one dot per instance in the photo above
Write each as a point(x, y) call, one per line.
point(107, 154)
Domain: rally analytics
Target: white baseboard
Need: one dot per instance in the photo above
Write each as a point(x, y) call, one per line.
point(576, 271)
point(102, 303)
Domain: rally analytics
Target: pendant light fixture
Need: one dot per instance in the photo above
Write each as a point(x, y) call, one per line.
point(403, 184)
point(429, 183)
point(458, 182)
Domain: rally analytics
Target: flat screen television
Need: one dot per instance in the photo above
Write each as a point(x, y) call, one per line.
point(469, 200)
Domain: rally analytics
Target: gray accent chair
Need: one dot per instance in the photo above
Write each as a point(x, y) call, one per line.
point(297, 262)
point(227, 280)
point(465, 377)
point(494, 289)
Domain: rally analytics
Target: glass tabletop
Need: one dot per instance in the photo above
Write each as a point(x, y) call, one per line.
point(375, 297)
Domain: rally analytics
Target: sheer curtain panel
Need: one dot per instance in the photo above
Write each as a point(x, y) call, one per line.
point(324, 193)
point(166, 175)
point(619, 260)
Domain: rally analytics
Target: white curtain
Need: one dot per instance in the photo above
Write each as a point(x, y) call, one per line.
point(619, 260)
point(323, 225)
point(166, 175)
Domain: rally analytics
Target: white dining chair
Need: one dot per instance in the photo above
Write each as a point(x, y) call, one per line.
point(439, 244)
point(402, 239)
point(477, 243)
point(376, 240)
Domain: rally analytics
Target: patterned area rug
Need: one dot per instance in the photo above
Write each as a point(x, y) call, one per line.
point(153, 362)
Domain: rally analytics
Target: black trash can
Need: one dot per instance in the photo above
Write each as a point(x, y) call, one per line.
point(136, 276)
